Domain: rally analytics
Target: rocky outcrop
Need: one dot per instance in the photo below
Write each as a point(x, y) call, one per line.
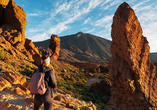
point(134, 83)
point(15, 95)
point(55, 46)
point(12, 31)
point(16, 17)
point(103, 86)
point(3, 4)
point(16, 81)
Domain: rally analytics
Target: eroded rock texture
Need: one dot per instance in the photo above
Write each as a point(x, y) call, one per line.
point(12, 31)
point(134, 83)
point(16, 17)
point(55, 46)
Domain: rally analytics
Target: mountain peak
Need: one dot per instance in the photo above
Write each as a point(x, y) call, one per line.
point(80, 32)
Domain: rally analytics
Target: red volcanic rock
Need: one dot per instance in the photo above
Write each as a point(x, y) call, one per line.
point(55, 46)
point(16, 17)
point(45, 52)
point(30, 46)
point(10, 34)
point(12, 31)
point(103, 86)
point(134, 83)
point(3, 4)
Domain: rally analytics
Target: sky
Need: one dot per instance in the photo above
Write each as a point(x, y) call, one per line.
point(66, 17)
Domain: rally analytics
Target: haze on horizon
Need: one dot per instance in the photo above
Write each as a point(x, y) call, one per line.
point(66, 17)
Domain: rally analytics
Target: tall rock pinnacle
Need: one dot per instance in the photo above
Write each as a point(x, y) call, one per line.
point(134, 83)
point(55, 46)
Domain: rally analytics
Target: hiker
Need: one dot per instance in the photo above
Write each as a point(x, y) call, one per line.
point(50, 84)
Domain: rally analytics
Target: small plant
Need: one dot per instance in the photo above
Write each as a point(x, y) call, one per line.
point(107, 76)
point(2, 56)
point(29, 72)
point(96, 82)
point(23, 66)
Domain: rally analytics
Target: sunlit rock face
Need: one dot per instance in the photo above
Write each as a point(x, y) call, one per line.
point(12, 31)
point(16, 17)
point(134, 83)
point(55, 46)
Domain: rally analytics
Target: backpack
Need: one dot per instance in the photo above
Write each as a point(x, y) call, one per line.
point(38, 83)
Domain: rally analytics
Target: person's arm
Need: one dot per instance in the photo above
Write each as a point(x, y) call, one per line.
point(52, 80)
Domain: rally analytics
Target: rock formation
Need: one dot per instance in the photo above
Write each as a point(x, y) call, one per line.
point(134, 83)
point(3, 4)
point(12, 31)
point(16, 17)
point(103, 86)
point(15, 95)
point(55, 46)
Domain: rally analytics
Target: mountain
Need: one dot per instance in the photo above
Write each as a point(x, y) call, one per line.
point(81, 47)
point(84, 47)
point(153, 57)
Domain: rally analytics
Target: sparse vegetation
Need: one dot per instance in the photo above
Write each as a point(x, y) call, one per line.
point(2, 56)
point(71, 80)
point(23, 66)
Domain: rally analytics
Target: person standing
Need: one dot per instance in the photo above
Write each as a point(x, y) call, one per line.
point(50, 84)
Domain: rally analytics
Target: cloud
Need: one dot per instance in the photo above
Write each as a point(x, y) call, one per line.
point(137, 6)
point(92, 4)
point(64, 7)
point(86, 21)
point(89, 31)
point(57, 28)
point(33, 30)
point(32, 14)
point(104, 21)
point(105, 7)
point(40, 37)
point(105, 2)
point(67, 12)
point(84, 28)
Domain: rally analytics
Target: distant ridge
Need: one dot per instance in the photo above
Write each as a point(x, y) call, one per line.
point(84, 47)
point(81, 47)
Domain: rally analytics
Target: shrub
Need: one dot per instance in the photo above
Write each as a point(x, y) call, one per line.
point(29, 72)
point(2, 56)
point(96, 82)
point(23, 66)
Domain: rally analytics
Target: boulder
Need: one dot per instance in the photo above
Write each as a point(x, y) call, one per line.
point(9, 79)
point(4, 84)
point(16, 17)
point(55, 46)
point(134, 83)
point(30, 46)
point(103, 86)
point(36, 58)
point(45, 52)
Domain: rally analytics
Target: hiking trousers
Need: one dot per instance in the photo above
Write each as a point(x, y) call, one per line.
point(48, 103)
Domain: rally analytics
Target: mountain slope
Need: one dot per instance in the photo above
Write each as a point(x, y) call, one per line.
point(153, 57)
point(82, 47)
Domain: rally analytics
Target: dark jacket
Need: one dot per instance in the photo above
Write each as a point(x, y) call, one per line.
point(50, 82)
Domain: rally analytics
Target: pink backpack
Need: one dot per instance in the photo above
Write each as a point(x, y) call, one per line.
point(37, 83)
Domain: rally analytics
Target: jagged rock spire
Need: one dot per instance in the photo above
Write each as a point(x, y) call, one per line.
point(134, 83)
